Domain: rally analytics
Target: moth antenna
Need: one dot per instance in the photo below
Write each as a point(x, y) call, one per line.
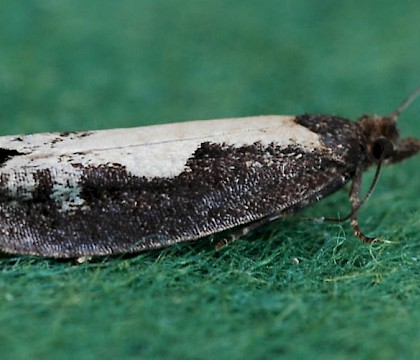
point(394, 115)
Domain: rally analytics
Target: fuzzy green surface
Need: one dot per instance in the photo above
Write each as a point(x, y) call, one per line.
point(294, 289)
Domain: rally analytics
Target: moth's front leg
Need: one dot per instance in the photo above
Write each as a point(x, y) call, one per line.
point(355, 205)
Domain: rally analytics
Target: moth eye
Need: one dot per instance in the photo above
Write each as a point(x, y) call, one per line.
point(382, 148)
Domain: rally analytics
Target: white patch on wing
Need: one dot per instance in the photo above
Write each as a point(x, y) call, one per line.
point(65, 189)
point(20, 184)
point(151, 151)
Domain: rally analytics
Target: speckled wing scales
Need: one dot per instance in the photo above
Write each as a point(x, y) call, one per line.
point(126, 190)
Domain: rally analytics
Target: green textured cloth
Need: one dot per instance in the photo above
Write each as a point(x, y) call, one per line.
point(294, 289)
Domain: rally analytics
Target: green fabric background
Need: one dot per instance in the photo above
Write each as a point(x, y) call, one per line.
point(74, 65)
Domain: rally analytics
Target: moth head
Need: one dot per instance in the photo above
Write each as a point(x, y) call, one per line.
point(383, 137)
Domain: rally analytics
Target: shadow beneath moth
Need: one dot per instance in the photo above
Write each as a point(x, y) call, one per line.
point(69, 195)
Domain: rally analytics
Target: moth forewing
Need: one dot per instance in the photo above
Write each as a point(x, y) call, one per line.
point(111, 191)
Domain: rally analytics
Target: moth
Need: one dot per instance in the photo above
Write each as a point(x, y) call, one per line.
point(81, 194)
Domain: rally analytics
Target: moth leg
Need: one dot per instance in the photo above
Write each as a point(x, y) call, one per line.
point(360, 202)
point(237, 233)
point(355, 206)
point(232, 237)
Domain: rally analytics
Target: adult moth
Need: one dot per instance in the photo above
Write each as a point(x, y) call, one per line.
point(126, 190)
